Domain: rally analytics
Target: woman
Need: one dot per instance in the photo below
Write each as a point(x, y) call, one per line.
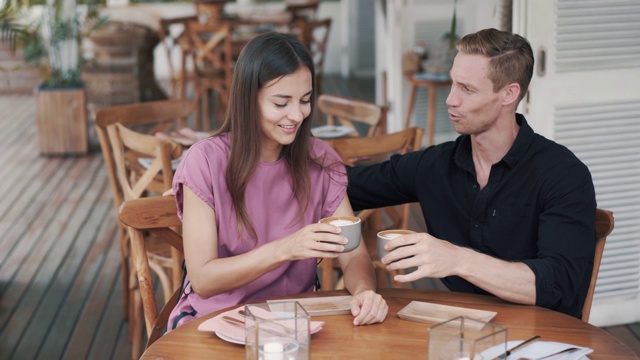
point(250, 196)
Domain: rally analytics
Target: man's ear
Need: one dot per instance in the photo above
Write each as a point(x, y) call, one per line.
point(511, 94)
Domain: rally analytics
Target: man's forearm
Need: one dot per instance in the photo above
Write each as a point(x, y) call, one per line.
point(511, 281)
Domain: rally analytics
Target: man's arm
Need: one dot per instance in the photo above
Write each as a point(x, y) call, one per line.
point(432, 257)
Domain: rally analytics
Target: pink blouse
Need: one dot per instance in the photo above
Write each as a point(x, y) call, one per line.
point(272, 208)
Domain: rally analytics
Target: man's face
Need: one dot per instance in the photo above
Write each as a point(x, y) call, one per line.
point(473, 106)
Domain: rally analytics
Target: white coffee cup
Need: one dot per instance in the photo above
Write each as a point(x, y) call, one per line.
point(351, 229)
point(387, 235)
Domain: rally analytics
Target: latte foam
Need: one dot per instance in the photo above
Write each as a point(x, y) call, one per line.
point(341, 222)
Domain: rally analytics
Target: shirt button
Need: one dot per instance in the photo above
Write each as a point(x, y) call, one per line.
point(476, 225)
point(475, 187)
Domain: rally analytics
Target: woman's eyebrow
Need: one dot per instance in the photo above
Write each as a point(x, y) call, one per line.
point(289, 96)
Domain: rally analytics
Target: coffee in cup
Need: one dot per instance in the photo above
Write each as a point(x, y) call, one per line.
point(386, 236)
point(351, 227)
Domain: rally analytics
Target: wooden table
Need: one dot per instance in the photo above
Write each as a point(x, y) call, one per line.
point(433, 86)
point(396, 338)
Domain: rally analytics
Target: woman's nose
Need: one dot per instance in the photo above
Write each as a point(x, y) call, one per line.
point(296, 113)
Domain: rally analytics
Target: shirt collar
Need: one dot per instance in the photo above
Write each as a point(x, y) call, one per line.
point(518, 149)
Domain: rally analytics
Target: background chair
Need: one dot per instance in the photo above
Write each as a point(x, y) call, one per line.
point(170, 43)
point(374, 220)
point(151, 116)
point(137, 181)
point(157, 215)
point(212, 60)
point(154, 115)
point(314, 34)
point(305, 10)
point(604, 227)
point(360, 115)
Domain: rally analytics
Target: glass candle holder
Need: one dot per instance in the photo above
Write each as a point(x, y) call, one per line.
point(463, 338)
point(276, 331)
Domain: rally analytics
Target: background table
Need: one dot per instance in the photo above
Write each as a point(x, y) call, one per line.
point(396, 338)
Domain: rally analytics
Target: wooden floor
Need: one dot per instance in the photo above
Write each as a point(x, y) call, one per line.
point(60, 291)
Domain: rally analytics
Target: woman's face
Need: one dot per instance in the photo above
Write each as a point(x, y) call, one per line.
point(284, 103)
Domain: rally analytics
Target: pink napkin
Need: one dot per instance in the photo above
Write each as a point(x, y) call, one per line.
point(236, 332)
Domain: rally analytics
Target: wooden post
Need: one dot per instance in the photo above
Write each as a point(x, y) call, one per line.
point(62, 121)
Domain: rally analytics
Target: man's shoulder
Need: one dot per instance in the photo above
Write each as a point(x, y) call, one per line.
point(552, 149)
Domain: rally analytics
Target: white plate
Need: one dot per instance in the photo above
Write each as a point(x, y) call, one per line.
point(146, 162)
point(242, 342)
point(538, 349)
point(228, 339)
point(331, 131)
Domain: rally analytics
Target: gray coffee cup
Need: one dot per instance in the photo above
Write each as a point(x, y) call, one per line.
point(351, 228)
point(385, 236)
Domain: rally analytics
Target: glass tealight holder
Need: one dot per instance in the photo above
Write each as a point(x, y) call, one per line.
point(463, 338)
point(276, 331)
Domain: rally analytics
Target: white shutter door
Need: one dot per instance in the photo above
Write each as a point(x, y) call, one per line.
point(588, 99)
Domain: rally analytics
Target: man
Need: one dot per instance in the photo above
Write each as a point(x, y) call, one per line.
point(508, 212)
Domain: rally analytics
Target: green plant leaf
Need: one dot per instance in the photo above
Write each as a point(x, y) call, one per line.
point(452, 31)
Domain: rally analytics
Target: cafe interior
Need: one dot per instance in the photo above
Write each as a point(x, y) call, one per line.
point(91, 255)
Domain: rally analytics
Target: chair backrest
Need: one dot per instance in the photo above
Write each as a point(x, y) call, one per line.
point(305, 10)
point(129, 148)
point(390, 217)
point(401, 142)
point(212, 49)
point(604, 227)
point(209, 11)
point(170, 42)
point(348, 112)
point(314, 34)
point(212, 57)
point(160, 115)
point(157, 215)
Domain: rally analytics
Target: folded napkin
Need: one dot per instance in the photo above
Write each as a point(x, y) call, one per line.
point(539, 349)
point(235, 332)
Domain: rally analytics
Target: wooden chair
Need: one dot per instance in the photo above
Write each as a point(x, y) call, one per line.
point(153, 116)
point(156, 215)
point(128, 147)
point(210, 11)
point(158, 116)
point(305, 10)
point(314, 34)
point(374, 220)
point(353, 113)
point(604, 227)
point(212, 55)
point(170, 43)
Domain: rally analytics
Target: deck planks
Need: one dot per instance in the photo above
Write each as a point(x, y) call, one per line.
point(59, 252)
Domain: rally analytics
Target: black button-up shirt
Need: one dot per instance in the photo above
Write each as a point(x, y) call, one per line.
point(538, 208)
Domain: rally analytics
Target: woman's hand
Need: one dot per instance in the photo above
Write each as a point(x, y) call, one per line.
point(314, 240)
point(368, 307)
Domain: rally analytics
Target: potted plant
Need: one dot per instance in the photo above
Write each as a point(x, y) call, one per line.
point(53, 44)
point(441, 56)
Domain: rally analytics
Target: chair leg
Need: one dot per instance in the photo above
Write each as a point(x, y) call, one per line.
point(124, 264)
point(135, 326)
point(327, 274)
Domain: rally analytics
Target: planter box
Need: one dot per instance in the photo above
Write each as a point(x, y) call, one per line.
point(62, 121)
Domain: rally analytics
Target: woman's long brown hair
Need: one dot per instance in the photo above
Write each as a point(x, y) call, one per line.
point(267, 57)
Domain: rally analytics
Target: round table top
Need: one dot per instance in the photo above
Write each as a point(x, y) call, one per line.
point(396, 338)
